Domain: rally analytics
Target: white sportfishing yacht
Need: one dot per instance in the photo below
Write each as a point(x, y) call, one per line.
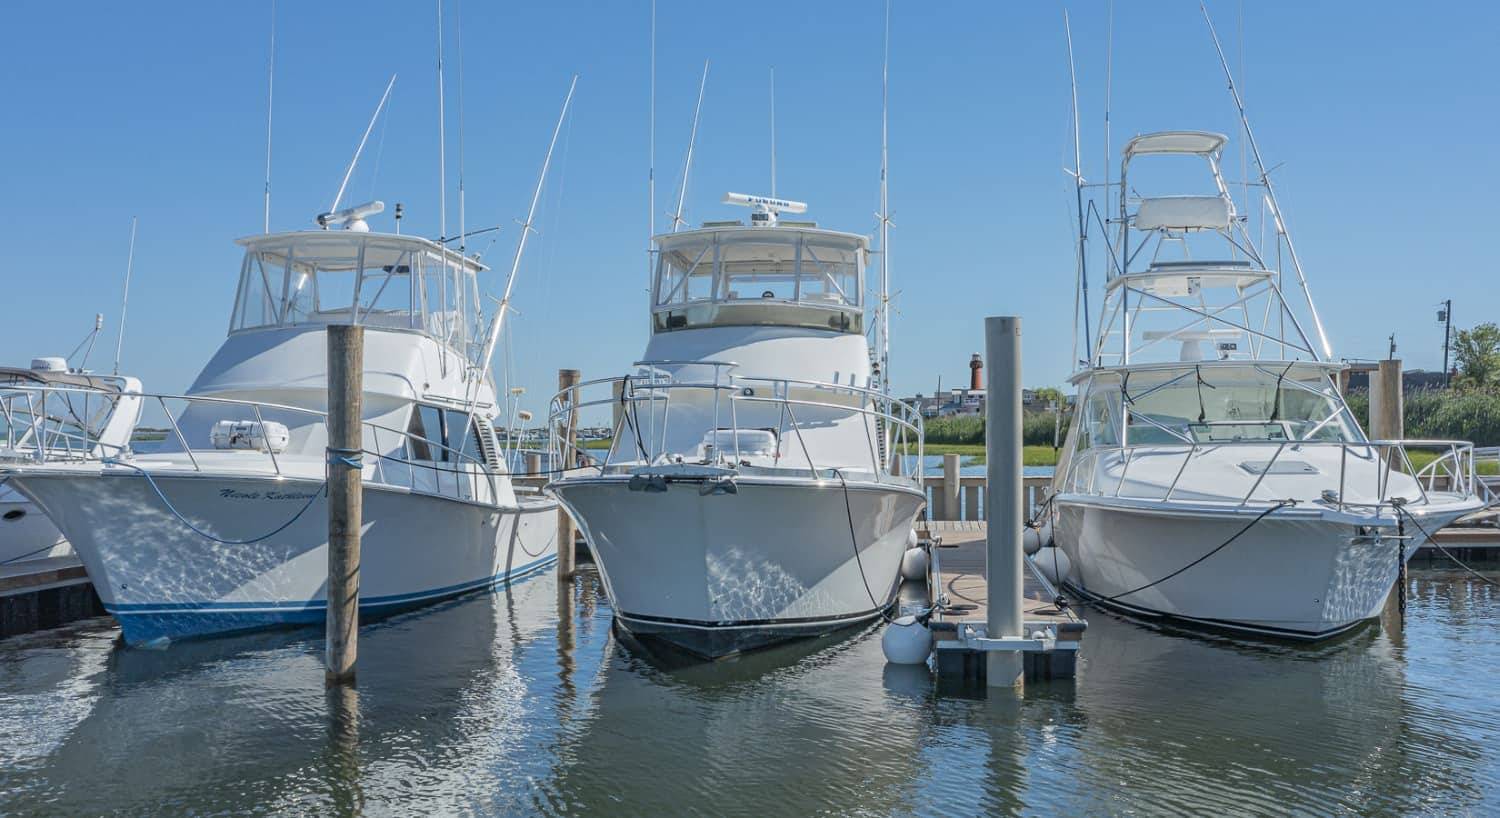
point(224, 526)
point(750, 493)
point(52, 412)
point(1213, 472)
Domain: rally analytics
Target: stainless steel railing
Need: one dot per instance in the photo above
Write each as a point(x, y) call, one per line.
point(643, 417)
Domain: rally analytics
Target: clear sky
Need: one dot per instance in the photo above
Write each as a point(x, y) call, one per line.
point(1384, 115)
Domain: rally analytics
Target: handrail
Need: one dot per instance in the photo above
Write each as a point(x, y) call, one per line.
point(465, 462)
point(656, 387)
point(1454, 464)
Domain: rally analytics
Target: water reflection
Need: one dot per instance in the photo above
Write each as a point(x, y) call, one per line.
point(526, 702)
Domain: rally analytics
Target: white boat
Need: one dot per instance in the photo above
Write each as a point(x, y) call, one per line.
point(77, 414)
point(1213, 472)
point(224, 527)
point(749, 494)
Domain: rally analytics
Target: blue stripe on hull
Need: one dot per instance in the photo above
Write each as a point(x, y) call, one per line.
point(141, 623)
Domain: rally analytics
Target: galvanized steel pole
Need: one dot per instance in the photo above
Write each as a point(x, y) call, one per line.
point(1002, 446)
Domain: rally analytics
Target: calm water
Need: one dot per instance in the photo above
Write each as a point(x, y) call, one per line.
point(524, 702)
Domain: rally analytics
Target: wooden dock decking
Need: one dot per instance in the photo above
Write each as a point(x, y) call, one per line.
point(961, 574)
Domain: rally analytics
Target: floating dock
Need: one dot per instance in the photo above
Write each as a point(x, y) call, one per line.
point(45, 593)
point(960, 573)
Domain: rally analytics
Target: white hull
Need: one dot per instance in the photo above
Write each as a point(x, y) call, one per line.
point(25, 532)
point(160, 579)
point(729, 572)
point(1295, 574)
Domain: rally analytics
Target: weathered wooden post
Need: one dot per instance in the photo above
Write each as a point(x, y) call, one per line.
point(533, 464)
point(1386, 401)
point(567, 381)
point(951, 484)
point(346, 354)
point(1002, 449)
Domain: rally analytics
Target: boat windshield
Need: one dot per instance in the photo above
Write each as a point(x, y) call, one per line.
point(360, 278)
point(1214, 404)
point(759, 276)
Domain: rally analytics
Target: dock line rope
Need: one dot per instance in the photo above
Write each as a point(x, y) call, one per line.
point(854, 542)
point(1400, 506)
point(200, 532)
point(20, 557)
point(1280, 504)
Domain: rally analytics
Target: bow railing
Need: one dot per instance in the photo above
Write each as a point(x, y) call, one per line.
point(734, 421)
point(35, 435)
point(1367, 470)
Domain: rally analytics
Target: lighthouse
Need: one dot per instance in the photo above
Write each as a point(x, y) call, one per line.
point(976, 366)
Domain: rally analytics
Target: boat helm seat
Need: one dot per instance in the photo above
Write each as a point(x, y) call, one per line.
point(1184, 213)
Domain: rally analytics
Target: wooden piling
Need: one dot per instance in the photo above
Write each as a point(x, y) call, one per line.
point(1386, 401)
point(567, 381)
point(951, 483)
point(533, 464)
point(346, 346)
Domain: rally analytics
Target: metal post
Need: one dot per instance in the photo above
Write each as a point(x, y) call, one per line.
point(950, 508)
point(1002, 446)
point(567, 380)
point(346, 345)
point(533, 464)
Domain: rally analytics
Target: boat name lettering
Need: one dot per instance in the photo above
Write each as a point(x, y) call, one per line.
point(235, 494)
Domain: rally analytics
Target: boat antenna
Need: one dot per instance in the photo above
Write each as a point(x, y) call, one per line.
point(88, 341)
point(1083, 266)
point(515, 265)
point(651, 157)
point(1265, 181)
point(458, 26)
point(885, 211)
point(773, 132)
point(1109, 75)
point(338, 197)
point(442, 145)
point(270, 97)
point(124, 299)
point(687, 164)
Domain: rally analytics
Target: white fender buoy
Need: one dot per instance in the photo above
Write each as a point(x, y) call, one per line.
point(1031, 540)
point(914, 564)
point(911, 538)
point(906, 641)
point(1035, 539)
point(1054, 564)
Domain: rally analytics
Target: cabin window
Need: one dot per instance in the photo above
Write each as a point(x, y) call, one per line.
point(457, 422)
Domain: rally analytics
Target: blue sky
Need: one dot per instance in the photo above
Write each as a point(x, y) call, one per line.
point(1384, 115)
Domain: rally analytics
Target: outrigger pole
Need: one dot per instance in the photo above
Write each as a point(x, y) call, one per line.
point(1265, 180)
point(885, 213)
point(1083, 267)
point(526, 230)
point(687, 165)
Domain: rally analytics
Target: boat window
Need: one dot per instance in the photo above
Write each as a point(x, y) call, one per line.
point(416, 442)
point(256, 302)
point(760, 277)
point(1101, 418)
point(1244, 402)
point(379, 281)
point(457, 422)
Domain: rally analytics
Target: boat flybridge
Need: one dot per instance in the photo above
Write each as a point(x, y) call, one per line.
point(51, 411)
point(750, 494)
point(223, 526)
point(1213, 471)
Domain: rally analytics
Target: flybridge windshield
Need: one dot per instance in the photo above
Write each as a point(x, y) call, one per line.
point(336, 278)
point(761, 276)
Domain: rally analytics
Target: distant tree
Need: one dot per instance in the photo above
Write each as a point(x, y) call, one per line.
point(1049, 394)
point(1477, 354)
